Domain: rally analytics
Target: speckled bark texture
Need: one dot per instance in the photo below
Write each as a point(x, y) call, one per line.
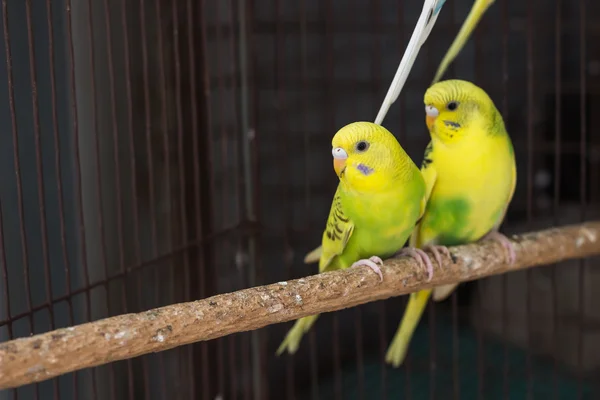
point(47, 355)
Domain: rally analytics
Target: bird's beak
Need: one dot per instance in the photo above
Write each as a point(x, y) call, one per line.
point(339, 159)
point(339, 164)
point(429, 121)
point(431, 113)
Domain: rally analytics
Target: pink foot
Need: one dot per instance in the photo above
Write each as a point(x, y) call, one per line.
point(371, 263)
point(435, 249)
point(420, 256)
point(507, 244)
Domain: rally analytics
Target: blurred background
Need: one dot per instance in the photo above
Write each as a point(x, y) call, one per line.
point(159, 151)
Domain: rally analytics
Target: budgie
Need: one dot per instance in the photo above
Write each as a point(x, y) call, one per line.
point(477, 11)
point(379, 198)
point(470, 174)
point(429, 14)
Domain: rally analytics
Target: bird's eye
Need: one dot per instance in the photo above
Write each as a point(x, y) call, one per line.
point(453, 105)
point(362, 146)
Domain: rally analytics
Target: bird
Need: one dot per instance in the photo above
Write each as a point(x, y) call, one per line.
point(477, 11)
point(470, 174)
point(378, 200)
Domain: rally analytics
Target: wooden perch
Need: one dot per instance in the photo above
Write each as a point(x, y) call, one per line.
point(40, 357)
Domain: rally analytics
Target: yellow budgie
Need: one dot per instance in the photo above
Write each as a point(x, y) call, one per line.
point(470, 174)
point(380, 197)
point(477, 11)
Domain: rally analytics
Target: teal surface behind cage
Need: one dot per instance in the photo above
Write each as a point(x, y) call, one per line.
point(542, 383)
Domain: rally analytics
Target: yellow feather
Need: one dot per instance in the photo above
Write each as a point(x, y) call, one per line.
point(414, 310)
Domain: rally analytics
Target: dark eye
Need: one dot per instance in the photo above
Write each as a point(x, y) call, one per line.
point(362, 146)
point(453, 105)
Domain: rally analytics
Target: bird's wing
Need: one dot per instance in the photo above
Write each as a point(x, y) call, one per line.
point(429, 176)
point(337, 233)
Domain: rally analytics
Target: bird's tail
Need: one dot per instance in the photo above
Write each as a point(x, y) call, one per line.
point(479, 7)
point(293, 337)
point(397, 350)
point(313, 256)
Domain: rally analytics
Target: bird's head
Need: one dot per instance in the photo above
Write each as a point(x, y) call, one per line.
point(366, 155)
point(456, 110)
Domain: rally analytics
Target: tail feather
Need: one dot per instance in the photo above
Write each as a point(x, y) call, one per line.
point(313, 256)
point(293, 337)
point(477, 11)
point(441, 293)
point(416, 305)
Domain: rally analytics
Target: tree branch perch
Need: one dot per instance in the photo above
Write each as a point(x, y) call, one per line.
point(43, 356)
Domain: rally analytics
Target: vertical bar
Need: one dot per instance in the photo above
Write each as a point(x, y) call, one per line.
point(357, 310)
point(58, 168)
point(306, 136)
point(454, 295)
point(312, 344)
point(9, 325)
point(209, 133)
point(249, 147)
point(455, 346)
point(530, 166)
point(220, 383)
point(100, 209)
point(115, 129)
point(151, 191)
point(583, 191)
point(279, 83)
point(196, 156)
point(167, 164)
point(237, 182)
point(132, 157)
point(407, 365)
point(78, 189)
point(40, 175)
point(505, 110)
point(314, 364)
point(330, 110)
point(180, 129)
point(557, 180)
point(17, 166)
point(432, 306)
point(255, 271)
point(480, 364)
point(148, 124)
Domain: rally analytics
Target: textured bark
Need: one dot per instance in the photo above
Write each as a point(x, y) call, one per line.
point(40, 357)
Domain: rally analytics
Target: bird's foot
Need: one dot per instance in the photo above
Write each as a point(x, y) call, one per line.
point(421, 257)
point(370, 262)
point(436, 249)
point(506, 243)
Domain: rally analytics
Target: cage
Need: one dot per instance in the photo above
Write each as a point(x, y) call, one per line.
point(158, 151)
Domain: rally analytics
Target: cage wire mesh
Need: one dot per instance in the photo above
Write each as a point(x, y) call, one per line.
point(162, 151)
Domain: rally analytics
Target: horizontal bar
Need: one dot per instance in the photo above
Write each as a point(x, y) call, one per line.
point(41, 357)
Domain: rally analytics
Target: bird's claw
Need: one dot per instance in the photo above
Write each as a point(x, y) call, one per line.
point(505, 242)
point(435, 249)
point(420, 256)
point(371, 262)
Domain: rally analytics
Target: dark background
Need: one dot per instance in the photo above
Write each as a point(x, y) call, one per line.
point(163, 151)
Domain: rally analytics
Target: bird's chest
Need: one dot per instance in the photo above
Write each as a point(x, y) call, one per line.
point(382, 223)
point(468, 198)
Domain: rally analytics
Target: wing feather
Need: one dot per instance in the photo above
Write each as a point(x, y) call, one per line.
point(338, 231)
